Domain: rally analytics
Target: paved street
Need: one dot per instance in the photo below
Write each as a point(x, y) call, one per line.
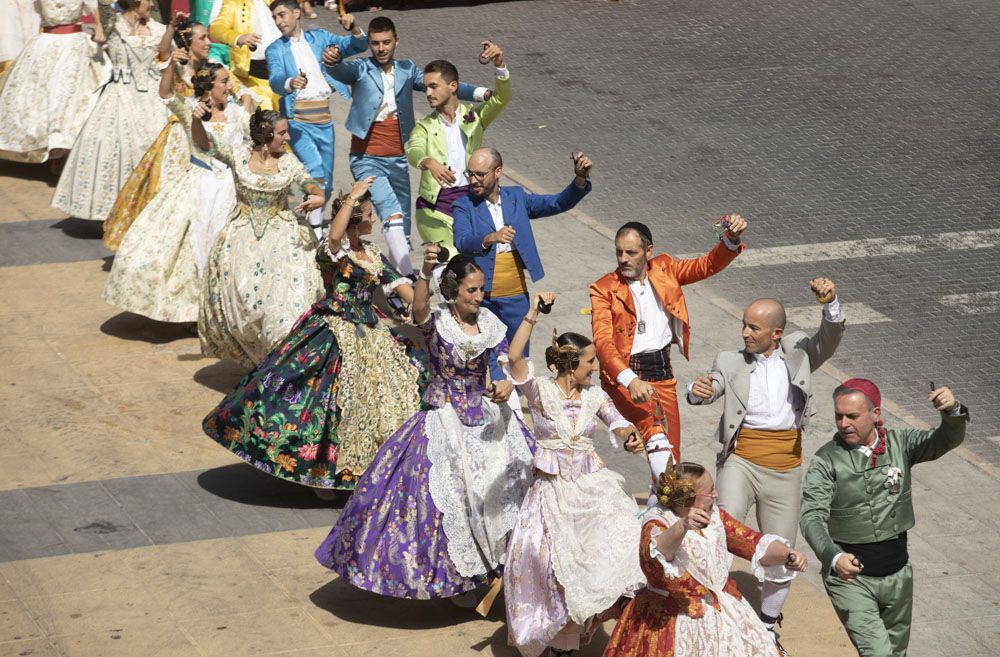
point(860, 140)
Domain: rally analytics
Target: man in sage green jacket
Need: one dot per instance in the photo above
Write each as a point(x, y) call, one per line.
point(441, 142)
point(857, 508)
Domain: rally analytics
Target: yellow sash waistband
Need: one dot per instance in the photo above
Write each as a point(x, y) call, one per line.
point(775, 450)
point(313, 111)
point(508, 276)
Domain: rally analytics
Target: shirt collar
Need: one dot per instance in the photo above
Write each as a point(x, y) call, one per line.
point(777, 353)
point(867, 450)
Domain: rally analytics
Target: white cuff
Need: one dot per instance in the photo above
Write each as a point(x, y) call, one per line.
point(479, 95)
point(504, 362)
point(626, 377)
point(389, 287)
point(777, 574)
point(288, 85)
point(832, 310)
point(957, 410)
point(833, 571)
point(502, 73)
point(730, 244)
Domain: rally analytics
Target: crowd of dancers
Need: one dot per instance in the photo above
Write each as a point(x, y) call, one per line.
point(408, 394)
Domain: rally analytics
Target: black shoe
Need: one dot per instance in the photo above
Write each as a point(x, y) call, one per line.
point(558, 652)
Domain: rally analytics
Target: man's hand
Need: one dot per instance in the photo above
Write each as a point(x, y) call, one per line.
point(251, 41)
point(824, 289)
point(441, 172)
point(503, 236)
point(696, 518)
point(640, 391)
point(702, 387)
point(346, 21)
point(943, 399)
point(500, 391)
point(737, 225)
point(298, 82)
point(491, 51)
point(581, 168)
point(331, 56)
point(848, 567)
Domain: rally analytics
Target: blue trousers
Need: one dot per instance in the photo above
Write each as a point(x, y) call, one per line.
point(313, 144)
point(510, 310)
point(391, 190)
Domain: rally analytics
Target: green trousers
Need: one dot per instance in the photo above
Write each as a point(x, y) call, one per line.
point(435, 226)
point(875, 611)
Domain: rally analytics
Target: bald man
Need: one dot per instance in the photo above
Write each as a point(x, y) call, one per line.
point(767, 387)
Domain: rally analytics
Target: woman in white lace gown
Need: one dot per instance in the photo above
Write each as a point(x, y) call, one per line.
point(126, 119)
point(261, 273)
point(575, 549)
point(52, 86)
point(18, 24)
point(690, 606)
point(157, 270)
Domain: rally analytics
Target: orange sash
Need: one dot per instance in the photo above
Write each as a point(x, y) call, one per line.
point(383, 140)
point(775, 450)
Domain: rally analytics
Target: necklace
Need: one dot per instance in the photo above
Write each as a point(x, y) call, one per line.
point(465, 326)
point(565, 395)
point(640, 327)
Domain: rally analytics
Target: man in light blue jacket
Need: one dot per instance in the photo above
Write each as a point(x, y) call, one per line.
point(380, 124)
point(297, 76)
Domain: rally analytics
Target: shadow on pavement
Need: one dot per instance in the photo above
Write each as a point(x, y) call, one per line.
point(41, 172)
point(221, 376)
point(81, 229)
point(245, 484)
point(128, 326)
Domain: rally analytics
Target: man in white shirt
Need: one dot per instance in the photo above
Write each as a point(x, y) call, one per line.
point(768, 392)
point(298, 77)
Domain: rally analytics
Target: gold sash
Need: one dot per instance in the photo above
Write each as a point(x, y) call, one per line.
point(313, 111)
point(775, 450)
point(508, 276)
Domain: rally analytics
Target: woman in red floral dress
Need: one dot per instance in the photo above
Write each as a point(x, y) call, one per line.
point(691, 607)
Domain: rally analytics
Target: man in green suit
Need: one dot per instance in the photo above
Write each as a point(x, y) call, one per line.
point(857, 508)
point(441, 143)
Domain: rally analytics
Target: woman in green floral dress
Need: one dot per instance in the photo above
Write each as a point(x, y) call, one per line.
point(324, 400)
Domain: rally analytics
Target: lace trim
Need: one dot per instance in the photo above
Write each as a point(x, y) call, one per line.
point(373, 267)
point(570, 435)
point(504, 362)
point(670, 568)
point(477, 480)
point(777, 574)
point(467, 347)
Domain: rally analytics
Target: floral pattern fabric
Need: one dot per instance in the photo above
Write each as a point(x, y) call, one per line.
point(317, 409)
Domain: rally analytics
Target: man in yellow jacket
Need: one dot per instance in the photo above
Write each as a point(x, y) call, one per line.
point(441, 143)
point(247, 27)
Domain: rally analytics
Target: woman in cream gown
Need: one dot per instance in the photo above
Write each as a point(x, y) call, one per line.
point(157, 271)
point(125, 120)
point(18, 23)
point(262, 273)
point(52, 86)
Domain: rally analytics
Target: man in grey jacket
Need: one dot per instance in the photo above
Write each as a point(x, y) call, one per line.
point(768, 401)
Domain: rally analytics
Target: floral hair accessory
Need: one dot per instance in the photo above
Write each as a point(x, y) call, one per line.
point(673, 490)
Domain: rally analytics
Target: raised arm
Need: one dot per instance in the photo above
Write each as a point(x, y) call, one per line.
point(502, 93)
point(932, 445)
point(824, 342)
point(338, 226)
point(517, 363)
point(546, 205)
point(422, 290)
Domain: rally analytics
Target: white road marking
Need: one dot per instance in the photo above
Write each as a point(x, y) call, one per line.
point(866, 248)
point(856, 313)
point(974, 303)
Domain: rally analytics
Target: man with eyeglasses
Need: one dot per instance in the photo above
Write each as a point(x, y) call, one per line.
point(493, 225)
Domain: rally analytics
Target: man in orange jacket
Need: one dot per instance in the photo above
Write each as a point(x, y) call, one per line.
point(638, 311)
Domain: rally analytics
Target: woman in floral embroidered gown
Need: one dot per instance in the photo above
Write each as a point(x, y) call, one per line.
point(261, 274)
point(317, 409)
point(690, 606)
point(126, 119)
point(575, 549)
point(157, 271)
point(431, 516)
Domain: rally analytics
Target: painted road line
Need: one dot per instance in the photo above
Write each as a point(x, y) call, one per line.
point(855, 313)
point(868, 248)
point(974, 303)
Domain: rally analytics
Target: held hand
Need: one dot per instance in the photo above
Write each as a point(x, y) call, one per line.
point(581, 166)
point(737, 225)
point(702, 387)
point(633, 441)
point(361, 187)
point(943, 399)
point(346, 21)
point(431, 252)
point(491, 51)
point(796, 561)
point(696, 518)
point(249, 40)
point(640, 391)
point(848, 567)
point(298, 82)
point(311, 202)
point(331, 56)
point(500, 391)
point(202, 111)
point(442, 173)
point(823, 288)
point(180, 56)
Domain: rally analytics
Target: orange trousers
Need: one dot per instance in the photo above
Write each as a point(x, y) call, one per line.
point(649, 419)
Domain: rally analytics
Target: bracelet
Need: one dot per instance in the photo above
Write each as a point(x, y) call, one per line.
point(425, 277)
point(530, 321)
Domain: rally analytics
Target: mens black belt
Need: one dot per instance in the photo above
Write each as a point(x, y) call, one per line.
point(652, 365)
point(258, 68)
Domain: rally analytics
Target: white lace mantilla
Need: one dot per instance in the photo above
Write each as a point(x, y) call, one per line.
point(571, 435)
point(478, 478)
point(467, 347)
point(374, 264)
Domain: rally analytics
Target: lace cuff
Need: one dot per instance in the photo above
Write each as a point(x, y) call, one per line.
point(505, 366)
point(670, 569)
point(777, 574)
point(392, 285)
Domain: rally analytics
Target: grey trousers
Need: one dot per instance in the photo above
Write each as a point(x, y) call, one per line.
point(741, 484)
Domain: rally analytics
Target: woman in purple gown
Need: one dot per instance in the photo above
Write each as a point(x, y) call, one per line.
point(431, 516)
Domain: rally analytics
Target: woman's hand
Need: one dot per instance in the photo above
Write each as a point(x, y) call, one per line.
point(632, 440)
point(202, 111)
point(360, 188)
point(547, 298)
point(695, 518)
point(180, 56)
point(500, 391)
point(431, 252)
point(311, 202)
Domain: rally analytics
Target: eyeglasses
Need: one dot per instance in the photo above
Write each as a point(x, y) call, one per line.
point(479, 175)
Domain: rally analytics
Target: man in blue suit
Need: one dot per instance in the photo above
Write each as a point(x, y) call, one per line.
point(380, 124)
point(492, 224)
point(296, 75)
